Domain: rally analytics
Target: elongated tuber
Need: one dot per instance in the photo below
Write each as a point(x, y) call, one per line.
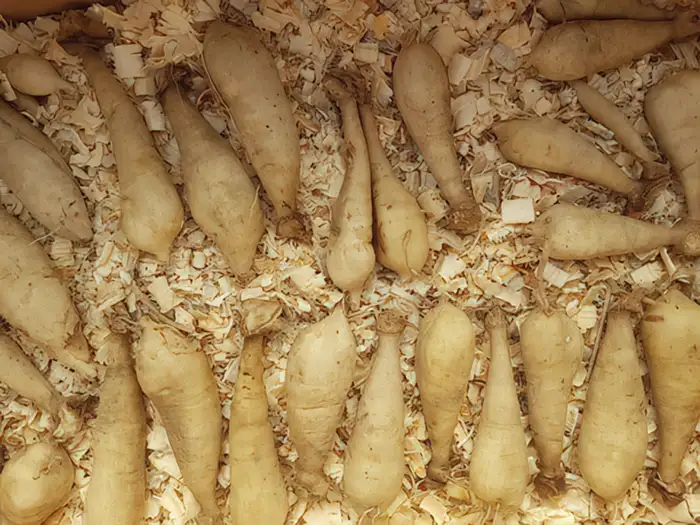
point(546, 144)
point(258, 492)
point(444, 356)
point(36, 173)
point(262, 113)
point(320, 370)
point(19, 374)
point(374, 458)
point(117, 491)
point(350, 258)
point(562, 10)
point(579, 49)
point(401, 233)
point(152, 213)
point(33, 75)
point(612, 443)
point(222, 198)
point(35, 482)
point(672, 109)
point(34, 299)
point(499, 471)
point(176, 376)
point(422, 93)
point(571, 233)
point(610, 116)
point(551, 346)
point(670, 332)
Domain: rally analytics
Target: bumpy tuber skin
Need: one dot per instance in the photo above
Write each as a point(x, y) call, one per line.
point(672, 109)
point(319, 375)
point(258, 491)
point(670, 332)
point(176, 376)
point(612, 443)
point(562, 10)
point(551, 347)
point(499, 471)
point(19, 374)
point(262, 113)
point(152, 213)
point(34, 299)
point(609, 115)
point(117, 490)
point(36, 173)
point(572, 233)
point(401, 232)
point(444, 356)
point(374, 458)
point(546, 144)
point(350, 258)
point(35, 482)
point(223, 200)
point(422, 92)
point(33, 75)
point(579, 49)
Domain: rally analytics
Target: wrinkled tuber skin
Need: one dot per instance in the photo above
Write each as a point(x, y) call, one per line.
point(320, 370)
point(176, 376)
point(500, 445)
point(551, 346)
point(574, 233)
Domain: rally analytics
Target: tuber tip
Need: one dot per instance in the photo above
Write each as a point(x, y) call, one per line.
point(291, 227)
point(686, 24)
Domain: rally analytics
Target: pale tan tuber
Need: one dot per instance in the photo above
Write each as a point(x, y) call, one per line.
point(422, 92)
point(117, 491)
point(374, 458)
point(36, 301)
point(40, 178)
point(223, 200)
point(670, 334)
point(152, 213)
point(551, 346)
point(33, 75)
point(579, 49)
point(499, 471)
point(320, 371)
point(176, 376)
point(401, 232)
point(350, 257)
point(612, 443)
point(262, 113)
point(20, 375)
point(444, 356)
point(35, 482)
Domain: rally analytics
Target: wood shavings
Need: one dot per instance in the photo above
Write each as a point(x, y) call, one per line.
point(485, 45)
